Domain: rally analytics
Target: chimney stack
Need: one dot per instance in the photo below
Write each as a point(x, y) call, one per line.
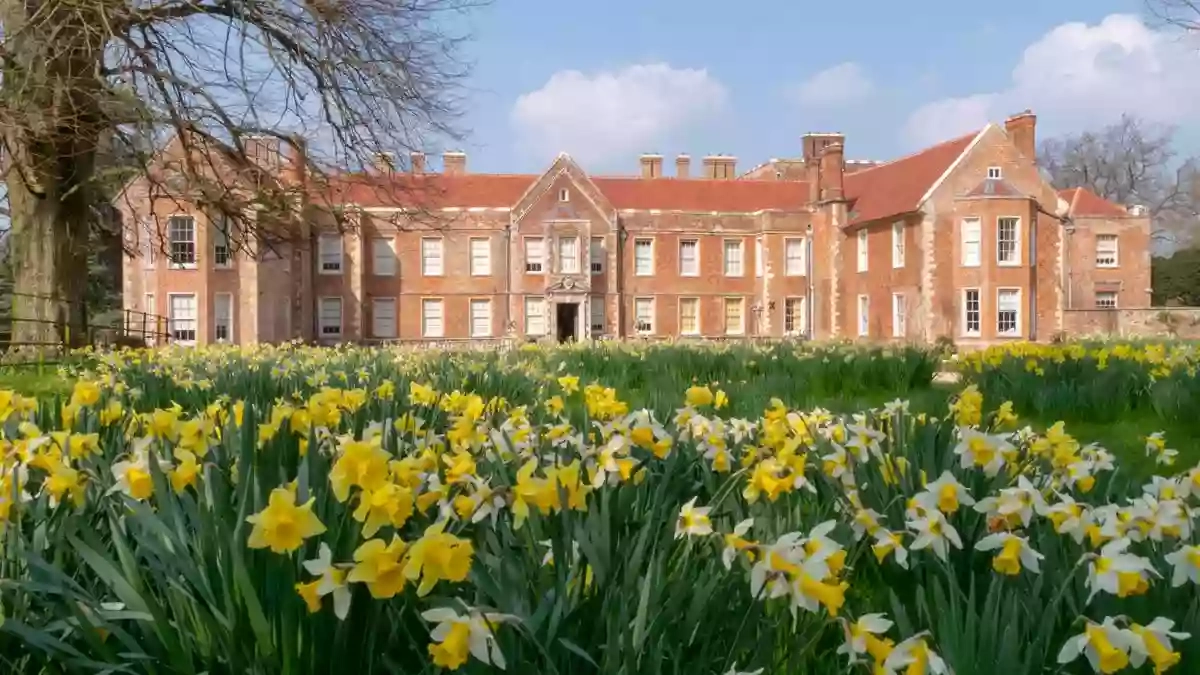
point(720, 167)
point(295, 164)
point(1022, 129)
point(683, 166)
point(416, 161)
point(454, 163)
point(815, 142)
point(833, 172)
point(384, 163)
point(651, 166)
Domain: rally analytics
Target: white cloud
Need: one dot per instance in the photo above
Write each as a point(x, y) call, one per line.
point(1081, 76)
point(604, 117)
point(844, 83)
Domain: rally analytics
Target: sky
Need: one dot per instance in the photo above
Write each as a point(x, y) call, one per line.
point(608, 81)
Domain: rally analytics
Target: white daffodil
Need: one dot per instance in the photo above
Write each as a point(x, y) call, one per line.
point(865, 522)
point(979, 449)
point(1156, 644)
point(455, 635)
point(770, 577)
point(1106, 646)
point(1156, 447)
point(914, 657)
point(887, 542)
point(1015, 551)
point(734, 671)
point(864, 442)
point(1186, 564)
point(1070, 518)
point(736, 542)
point(837, 463)
point(935, 532)
point(1162, 487)
point(860, 632)
point(1018, 502)
point(1154, 519)
point(693, 520)
point(1118, 573)
point(333, 580)
point(945, 494)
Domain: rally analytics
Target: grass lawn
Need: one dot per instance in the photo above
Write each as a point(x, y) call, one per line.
point(34, 380)
point(1125, 437)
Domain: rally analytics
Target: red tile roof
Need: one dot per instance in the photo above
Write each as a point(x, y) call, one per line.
point(896, 187)
point(994, 187)
point(1084, 202)
point(427, 190)
point(672, 194)
point(500, 190)
point(876, 192)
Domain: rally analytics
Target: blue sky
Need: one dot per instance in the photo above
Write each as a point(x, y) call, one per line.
point(605, 81)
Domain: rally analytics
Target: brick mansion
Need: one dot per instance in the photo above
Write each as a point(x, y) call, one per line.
point(964, 239)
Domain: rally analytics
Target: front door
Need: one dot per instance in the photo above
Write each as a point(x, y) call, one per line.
point(566, 318)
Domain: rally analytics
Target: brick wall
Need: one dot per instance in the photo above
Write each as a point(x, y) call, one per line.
point(1147, 322)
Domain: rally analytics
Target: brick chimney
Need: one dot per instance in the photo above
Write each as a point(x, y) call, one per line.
point(720, 167)
point(833, 171)
point(683, 166)
point(454, 163)
point(263, 151)
point(383, 163)
point(295, 163)
point(651, 166)
point(416, 161)
point(1022, 129)
point(816, 141)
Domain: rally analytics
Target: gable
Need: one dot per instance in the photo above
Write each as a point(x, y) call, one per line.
point(564, 166)
point(901, 186)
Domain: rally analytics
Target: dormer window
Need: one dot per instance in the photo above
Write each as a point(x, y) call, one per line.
point(994, 173)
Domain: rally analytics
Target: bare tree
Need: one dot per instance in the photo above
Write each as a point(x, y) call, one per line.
point(1131, 162)
point(1183, 14)
point(91, 88)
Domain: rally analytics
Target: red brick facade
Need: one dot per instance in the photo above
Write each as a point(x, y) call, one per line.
point(964, 239)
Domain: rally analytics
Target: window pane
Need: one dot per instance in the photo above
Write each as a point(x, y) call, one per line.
point(383, 317)
point(643, 254)
point(535, 255)
point(431, 257)
point(644, 315)
point(598, 315)
point(331, 317)
point(481, 318)
point(431, 318)
point(689, 316)
point(795, 263)
point(182, 317)
point(688, 264)
point(384, 262)
point(181, 231)
point(481, 257)
point(733, 258)
point(971, 311)
point(223, 317)
point(568, 255)
point(535, 316)
point(596, 255)
point(1006, 240)
point(734, 319)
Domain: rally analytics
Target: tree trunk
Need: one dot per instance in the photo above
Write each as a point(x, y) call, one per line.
point(48, 253)
point(51, 98)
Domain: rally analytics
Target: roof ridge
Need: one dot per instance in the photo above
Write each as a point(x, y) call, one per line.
point(918, 153)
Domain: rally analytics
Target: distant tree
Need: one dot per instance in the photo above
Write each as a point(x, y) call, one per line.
point(80, 79)
point(1131, 162)
point(1176, 278)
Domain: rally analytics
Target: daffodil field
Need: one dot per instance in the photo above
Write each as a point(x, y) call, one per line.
point(622, 509)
